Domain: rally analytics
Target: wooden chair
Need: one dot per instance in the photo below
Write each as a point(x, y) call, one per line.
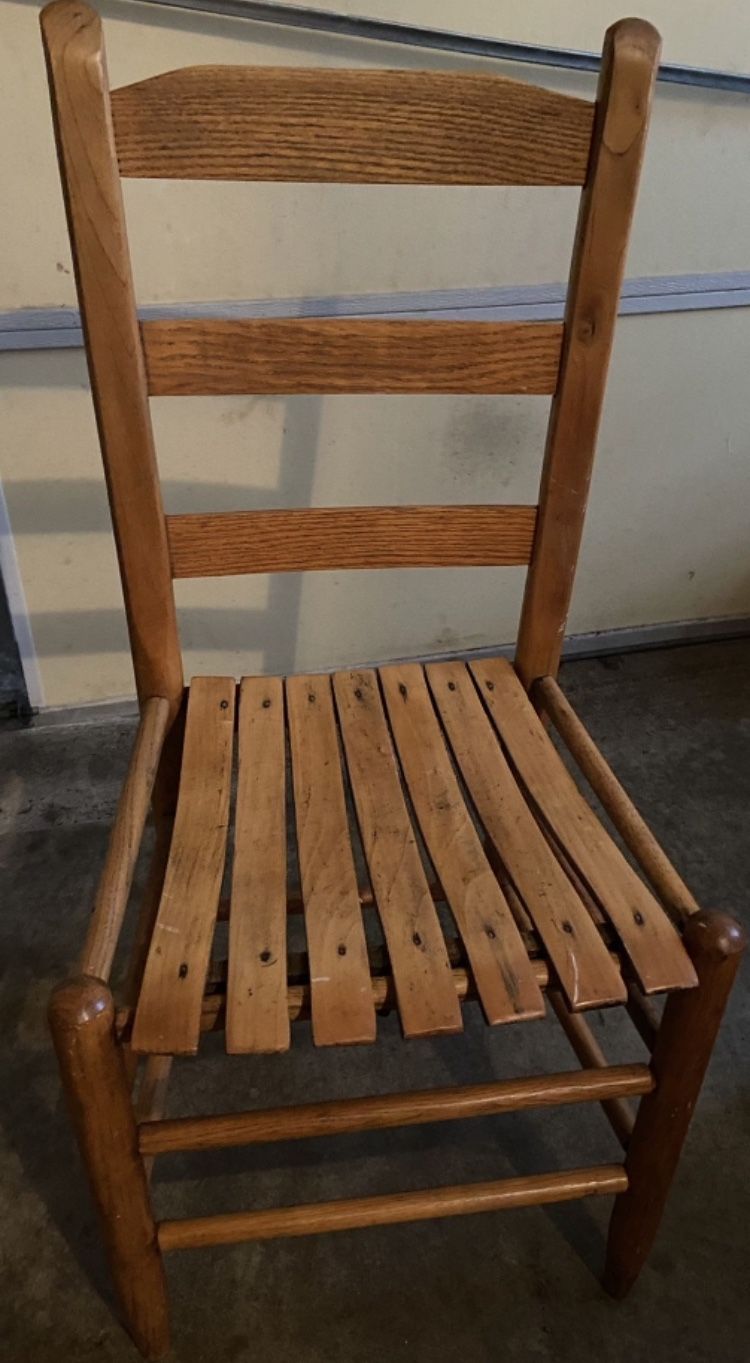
point(544, 901)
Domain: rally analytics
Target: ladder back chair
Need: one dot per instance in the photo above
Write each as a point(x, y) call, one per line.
point(544, 902)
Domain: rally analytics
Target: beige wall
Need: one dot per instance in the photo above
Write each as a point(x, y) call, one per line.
point(667, 532)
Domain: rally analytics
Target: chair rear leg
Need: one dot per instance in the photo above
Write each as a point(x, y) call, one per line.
point(681, 1055)
point(82, 1019)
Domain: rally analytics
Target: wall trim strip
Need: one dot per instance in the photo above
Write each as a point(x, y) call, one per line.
point(55, 328)
point(444, 40)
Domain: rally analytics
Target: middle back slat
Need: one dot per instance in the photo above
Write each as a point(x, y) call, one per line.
point(356, 127)
point(204, 356)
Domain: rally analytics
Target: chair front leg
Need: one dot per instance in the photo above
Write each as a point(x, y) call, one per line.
point(682, 1051)
point(82, 1018)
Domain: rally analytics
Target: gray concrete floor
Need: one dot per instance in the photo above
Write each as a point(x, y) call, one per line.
point(518, 1286)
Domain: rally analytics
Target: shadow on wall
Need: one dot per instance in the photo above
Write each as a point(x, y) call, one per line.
point(78, 507)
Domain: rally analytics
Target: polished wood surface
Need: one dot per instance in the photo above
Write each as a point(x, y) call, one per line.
point(324, 538)
point(77, 72)
point(392, 1109)
point(190, 356)
point(494, 947)
point(81, 1017)
point(388, 1210)
point(342, 1008)
point(421, 968)
point(682, 1051)
point(630, 824)
point(649, 937)
point(630, 61)
point(257, 1016)
point(167, 1018)
point(367, 127)
point(616, 1108)
point(582, 963)
point(125, 842)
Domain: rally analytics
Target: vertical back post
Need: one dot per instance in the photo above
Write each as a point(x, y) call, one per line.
point(630, 61)
point(76, 66)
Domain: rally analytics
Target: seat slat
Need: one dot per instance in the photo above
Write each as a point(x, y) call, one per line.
point(168, 1015)
point(342, 1007)
point(498, 958)
point(257, 1013)
point(196, 356)
point(584, 967)
point(650, 939)
point(367, 127)
point(425, 992)
point(223, 543)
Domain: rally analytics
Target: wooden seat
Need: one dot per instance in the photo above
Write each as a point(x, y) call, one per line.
point(450, 772)
point(427, 804)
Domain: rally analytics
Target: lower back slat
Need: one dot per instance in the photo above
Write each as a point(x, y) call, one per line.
point(222, 543)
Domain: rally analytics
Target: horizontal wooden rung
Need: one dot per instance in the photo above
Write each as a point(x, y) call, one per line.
point(205, 356)
point(393, 1109)
point(425, 1205)
point(220, 544)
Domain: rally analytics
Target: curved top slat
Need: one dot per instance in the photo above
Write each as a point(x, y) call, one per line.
point(360, 127)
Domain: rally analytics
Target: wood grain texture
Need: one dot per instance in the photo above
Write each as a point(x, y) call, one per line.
point(347, 1115)
point(630, 61)
point(646, 932)
point(82, 1018)
point(615, 1106)
point(629, 823)
point(342, 1006)
point(321, 538)
point(257, 1015)
point(77, 72)
point(583, 965)
point(496, 952)
point(125, 842)
point(391, 1208)
point(426, 996)
point(200, 356)
point(167, 1019)
point(684, 1044)
point(358, 127)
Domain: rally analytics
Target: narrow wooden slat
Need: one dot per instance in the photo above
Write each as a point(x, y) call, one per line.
point(629, 823)
point(257, 1015)
point(583, 965)
point(496, 953)
point(342, 1004)
point(202, 356)
point(168, 1015)
point(125, 842)
point(531, 1190)
point(321, 538)
point(425, 992)
point(358, 127)
point(649, 937)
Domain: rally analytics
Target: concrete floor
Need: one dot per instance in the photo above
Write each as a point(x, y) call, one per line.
point(518, 1286)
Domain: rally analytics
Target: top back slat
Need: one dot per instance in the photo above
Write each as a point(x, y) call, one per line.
point(357, 127)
